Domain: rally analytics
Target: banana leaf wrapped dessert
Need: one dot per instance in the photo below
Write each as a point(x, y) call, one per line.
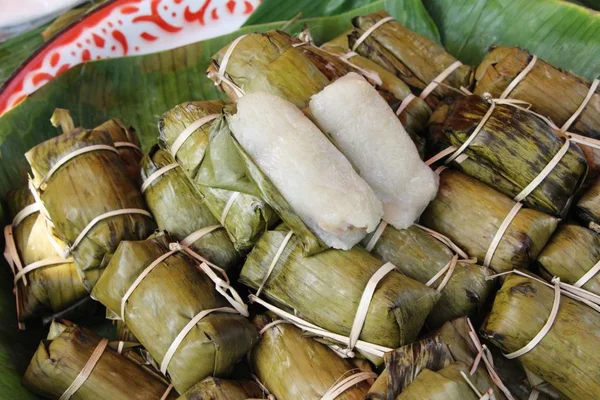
point(471, 214)
point(128, 145)
point(464, 286)
point(509, 149)
point(282, 156)
point(573, 255)
point(184, 132)
point(588, 207)
point(223, 389)
point(282, 69)
point(569, 101)
point(412, 111)
point(551, 91)
point(51, 283)
point(86, 193)
point(325, 289)
point(454, 342)
point(77, 363)
point(370, 135)
point(554, 336)
point(421, 63)
point(293, 366)
point(147, 282)
point(181, 210)
point(445, 384)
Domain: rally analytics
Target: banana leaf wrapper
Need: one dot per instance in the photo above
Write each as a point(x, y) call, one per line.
point(571, 252)
point(470, 213)
point(514, 146)
point(551, 91)
point(445, 384)
point(129, 348)
point(567, 356)
point(175, 291)
point(60, 359)
point(84, 188)
point(131, 156)
point(268, 62)
point(451, 344)
point(249, 216)
point(293, 366)
point(420, 256)
point(413, 58)
point(223, 389)
point(325, 289)
point(51, 289)
point(588, 207)
point(181, 210)
point(415, 115)
point(226, 165)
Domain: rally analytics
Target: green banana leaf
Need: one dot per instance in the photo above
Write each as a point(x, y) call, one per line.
point(409, 12)
point(564, 34)
point(17, 49)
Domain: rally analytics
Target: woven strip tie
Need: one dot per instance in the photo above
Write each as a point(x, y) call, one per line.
point(70, 156)
point(405, 103)
point(199, 234)
point(166, 394)
point(157, 174)
point(376, 235)
point(104, 216)
point(368, 32)
point(278, 254)
point(187, 132)
point(220, 75)
point(582, 106)
point(341, 385)
point(129, 145)
point(439, 79)
point(86, 371)
point(228, 206)
point(545, 329)
point(500, 233)
point(519, 78)
point(164, 364)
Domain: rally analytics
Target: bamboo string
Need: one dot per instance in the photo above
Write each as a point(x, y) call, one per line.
point(70, 156)
point(519, 78)
point(368, 32)
point(157, 174)
point(407, 100)
point(545, 329)
point(166, 394)
point(188, 131)
point(86, 371)
point(439, 79)
point(219, 77)
point(376, 235)
point(588, 275)
point(500, 233)
point(119, 145)
point(483, 353)
point(102, 217)
point(164, 364)
point(340, 386)
point(278, 254)
point(228, 206)
point(199, 234)
point(582, 106)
